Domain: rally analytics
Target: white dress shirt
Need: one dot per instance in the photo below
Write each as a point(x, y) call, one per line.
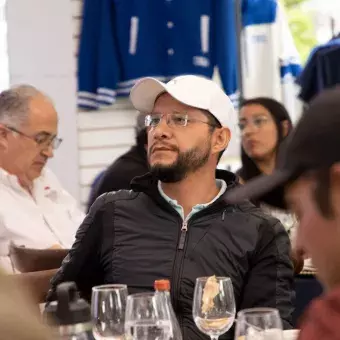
point(48, 217)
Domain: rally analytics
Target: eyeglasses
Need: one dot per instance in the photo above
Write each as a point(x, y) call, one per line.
point(257, 122)
point(173, 120)
point(42, 139)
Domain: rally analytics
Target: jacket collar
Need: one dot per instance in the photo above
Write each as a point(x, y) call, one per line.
point(148, 183)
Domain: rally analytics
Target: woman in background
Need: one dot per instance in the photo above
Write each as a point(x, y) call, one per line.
point(264, 124)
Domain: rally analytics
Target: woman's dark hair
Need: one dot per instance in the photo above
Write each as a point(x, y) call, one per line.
point(279, 114)
point(141, 138)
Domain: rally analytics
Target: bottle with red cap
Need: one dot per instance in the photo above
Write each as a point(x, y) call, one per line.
point(163, 287)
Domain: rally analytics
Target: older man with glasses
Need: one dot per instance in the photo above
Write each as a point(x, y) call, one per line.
point(35, 211)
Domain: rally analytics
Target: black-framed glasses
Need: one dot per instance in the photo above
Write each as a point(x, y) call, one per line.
point(173, 120)
point(42, 139)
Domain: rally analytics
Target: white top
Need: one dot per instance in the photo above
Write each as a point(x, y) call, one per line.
point(290, 223)
point(271, 44)
point(49, 217)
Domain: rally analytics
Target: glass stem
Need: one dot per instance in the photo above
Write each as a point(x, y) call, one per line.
point(214, 337)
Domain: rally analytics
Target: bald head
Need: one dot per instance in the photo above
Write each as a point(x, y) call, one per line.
point(28, 132)
point(15, 104)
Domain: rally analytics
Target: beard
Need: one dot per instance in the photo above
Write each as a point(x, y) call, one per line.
point(186, 162)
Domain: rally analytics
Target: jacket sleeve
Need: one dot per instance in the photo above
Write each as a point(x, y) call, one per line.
point(270, 282)
point(98, 69)
point(109, 67)
point(224, 45)
point(82, 264)
point(87, 55)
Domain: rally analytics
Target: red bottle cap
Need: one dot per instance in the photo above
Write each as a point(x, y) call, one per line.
point(162, 285)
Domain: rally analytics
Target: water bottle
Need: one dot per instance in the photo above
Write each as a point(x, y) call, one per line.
point(163, 287)
point(69, 316)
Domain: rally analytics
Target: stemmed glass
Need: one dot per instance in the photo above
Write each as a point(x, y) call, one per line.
point(258, 324)
point(147, 317)
point(214, 305)
point(108, 311)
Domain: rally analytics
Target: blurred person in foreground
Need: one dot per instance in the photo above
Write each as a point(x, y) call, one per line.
point(309, 169)
point(35, 210)
point(131, 164)
point(175, 222)
point(19, 319)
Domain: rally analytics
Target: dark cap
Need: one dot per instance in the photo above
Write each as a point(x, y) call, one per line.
point(313, 144)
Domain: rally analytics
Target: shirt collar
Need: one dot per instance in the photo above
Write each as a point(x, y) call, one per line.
point(219, 182)
point(13, 182)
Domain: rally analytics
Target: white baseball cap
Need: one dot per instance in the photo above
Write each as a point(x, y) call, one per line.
point(198, 92)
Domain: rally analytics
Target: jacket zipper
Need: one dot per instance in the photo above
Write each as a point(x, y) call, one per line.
point(182, 238)
point(178, 262)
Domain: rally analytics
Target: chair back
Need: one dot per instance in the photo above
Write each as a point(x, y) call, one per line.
point(28, 260)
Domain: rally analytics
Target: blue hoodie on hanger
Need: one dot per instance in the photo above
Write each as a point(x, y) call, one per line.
point(125, 40)
point(322, 70)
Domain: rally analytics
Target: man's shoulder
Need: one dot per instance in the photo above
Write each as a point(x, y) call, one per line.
point(109, 198)
point(256, 215)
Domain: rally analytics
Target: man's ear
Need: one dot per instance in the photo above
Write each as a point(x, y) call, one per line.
point(221, 139)
point(3, 137)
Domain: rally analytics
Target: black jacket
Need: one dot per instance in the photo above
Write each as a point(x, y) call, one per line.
point(135, 237)
point(120, 173)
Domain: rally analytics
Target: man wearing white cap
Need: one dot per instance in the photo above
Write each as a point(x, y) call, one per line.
point(175, 222)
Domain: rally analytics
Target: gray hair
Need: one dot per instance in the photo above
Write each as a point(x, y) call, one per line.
point(14, 104)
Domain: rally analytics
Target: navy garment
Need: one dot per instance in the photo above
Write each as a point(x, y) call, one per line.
point(329, 65)
point(322, 70)
point(125, 40)
point(307, 288)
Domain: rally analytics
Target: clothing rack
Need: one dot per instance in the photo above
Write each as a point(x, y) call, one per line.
point(238, 29)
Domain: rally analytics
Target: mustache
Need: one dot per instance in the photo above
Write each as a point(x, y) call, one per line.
point(162, 146)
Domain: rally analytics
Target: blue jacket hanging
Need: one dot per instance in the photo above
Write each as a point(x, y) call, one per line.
point(125, 40)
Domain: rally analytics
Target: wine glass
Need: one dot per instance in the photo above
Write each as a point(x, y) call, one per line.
point(108, 311)
point(258, 324)
point(147, 317)
point(214, 305)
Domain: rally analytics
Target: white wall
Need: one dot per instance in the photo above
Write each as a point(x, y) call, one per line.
point(40, 50)
point(4, 71)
